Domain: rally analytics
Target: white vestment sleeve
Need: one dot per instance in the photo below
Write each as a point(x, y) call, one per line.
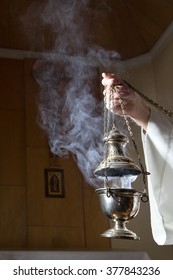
point(158, 151)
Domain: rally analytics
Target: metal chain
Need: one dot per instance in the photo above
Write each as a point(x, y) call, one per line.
point(150, 101)
point(144, 173)
point(106, 130)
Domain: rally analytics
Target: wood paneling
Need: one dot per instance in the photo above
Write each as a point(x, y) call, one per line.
point(4, 23)
point(31, 112)
point(13, 219)
point(13, 214)
point(28, 218)
point(66, 211)
point(157, 12)
point(53, 238)
point(129, 27)
point(12, 148)
point(12, 84)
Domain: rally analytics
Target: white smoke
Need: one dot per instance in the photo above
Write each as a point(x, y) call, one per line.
point(69, 79)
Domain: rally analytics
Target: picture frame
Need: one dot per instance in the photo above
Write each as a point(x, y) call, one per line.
point(54, 183)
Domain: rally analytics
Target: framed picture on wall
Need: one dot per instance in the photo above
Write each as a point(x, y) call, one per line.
point(54, 182)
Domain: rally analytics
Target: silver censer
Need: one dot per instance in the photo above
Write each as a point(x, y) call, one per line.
point(120, 204)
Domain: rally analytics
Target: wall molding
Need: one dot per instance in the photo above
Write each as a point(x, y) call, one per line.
point(129, 63)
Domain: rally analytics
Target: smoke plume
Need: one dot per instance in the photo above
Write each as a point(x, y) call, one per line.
point(70, 108)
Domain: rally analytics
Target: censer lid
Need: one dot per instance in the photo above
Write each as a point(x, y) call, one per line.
point(122, 166)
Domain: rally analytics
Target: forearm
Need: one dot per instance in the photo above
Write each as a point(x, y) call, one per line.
point(141, 117)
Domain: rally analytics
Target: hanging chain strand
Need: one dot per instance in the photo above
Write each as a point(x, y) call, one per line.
point(106, 129)
point(144, 173)
point(108, 118)
point(150, 101)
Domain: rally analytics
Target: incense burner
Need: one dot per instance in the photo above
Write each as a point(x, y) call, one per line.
point(120, 204)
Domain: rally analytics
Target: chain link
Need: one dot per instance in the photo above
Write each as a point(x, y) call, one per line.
point(169, 113)
point(114, 89)
point(111, 91)
point(106, 130)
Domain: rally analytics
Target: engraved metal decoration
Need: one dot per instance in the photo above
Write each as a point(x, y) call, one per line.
point(116, 163)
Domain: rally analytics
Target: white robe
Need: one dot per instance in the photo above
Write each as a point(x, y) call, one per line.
point(158, 151)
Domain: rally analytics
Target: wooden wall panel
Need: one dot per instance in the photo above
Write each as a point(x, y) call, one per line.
point(35, 137)
point(160, 12)
point(30, 219)
point(4, 24)
point(12, 148)
point(53, 238)
point(12, 84)
point(13, 233)
point(129, 27)
point(13, 219)
point(53, 211)
point(64, 221)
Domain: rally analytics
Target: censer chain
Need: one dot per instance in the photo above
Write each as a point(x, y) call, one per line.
point(144, 172)
point(106, 129)
point(169, 113)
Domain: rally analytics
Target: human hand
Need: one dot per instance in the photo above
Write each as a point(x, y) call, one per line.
point(119, 96)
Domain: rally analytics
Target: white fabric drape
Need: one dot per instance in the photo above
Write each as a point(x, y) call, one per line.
point(158, 151)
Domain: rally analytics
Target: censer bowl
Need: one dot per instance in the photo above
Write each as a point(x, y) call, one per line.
point(120, 205)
